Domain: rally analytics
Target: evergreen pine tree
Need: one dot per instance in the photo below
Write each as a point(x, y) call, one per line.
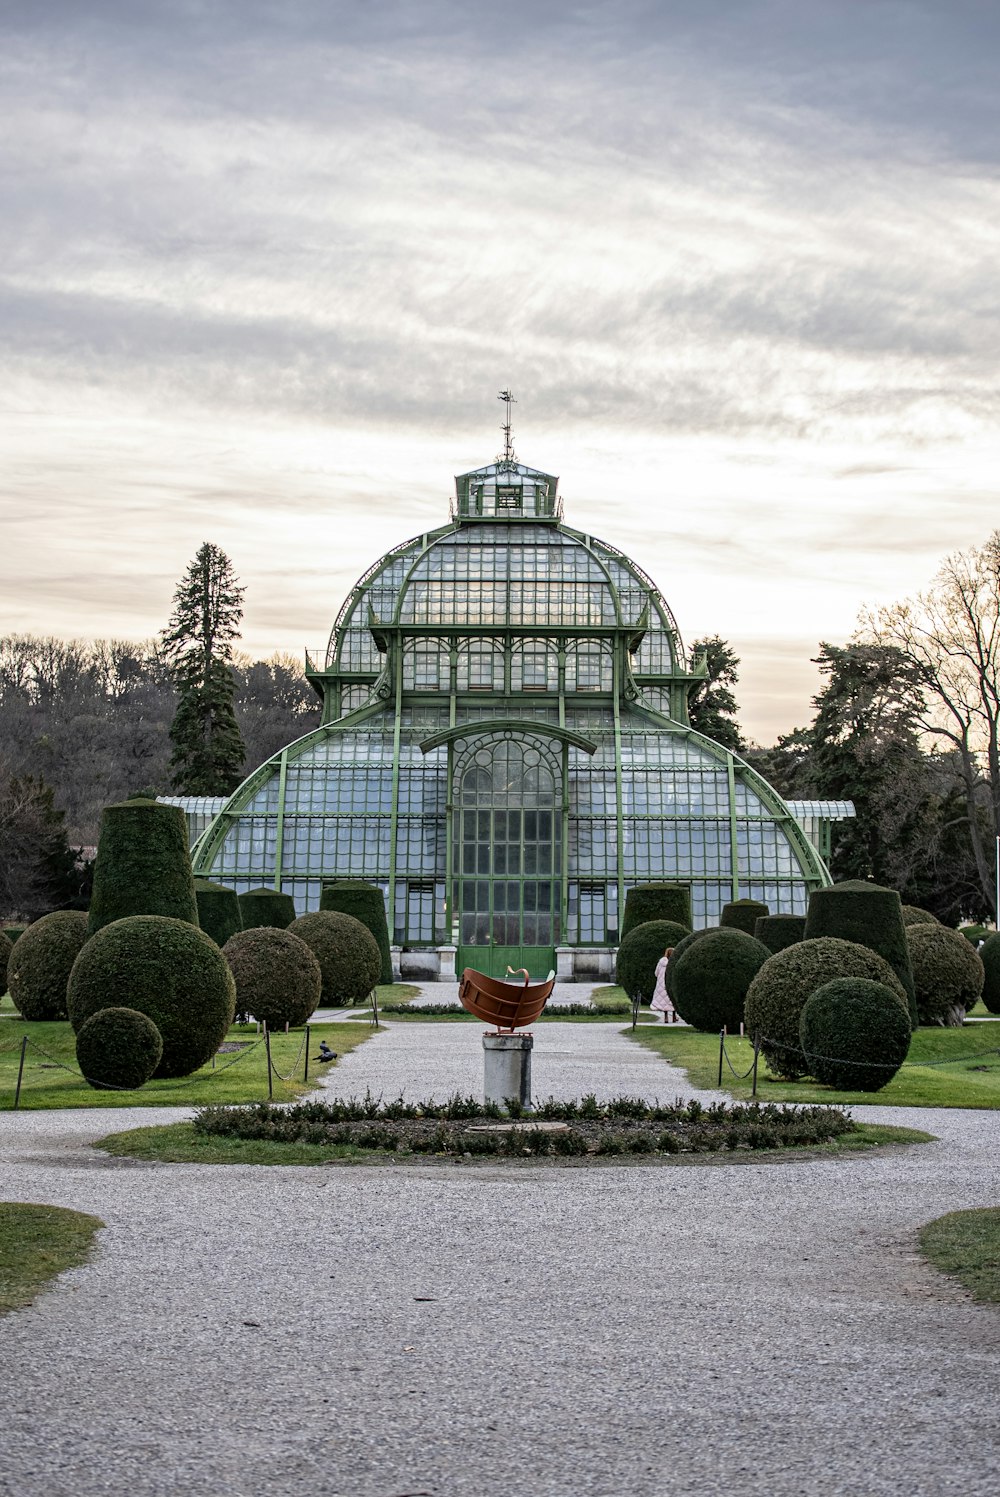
point(712, 706)
point(208, 750)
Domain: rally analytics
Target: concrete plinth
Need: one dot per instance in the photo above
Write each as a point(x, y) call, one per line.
point(507, 1067)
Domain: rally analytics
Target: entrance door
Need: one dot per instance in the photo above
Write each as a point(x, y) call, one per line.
point(508, 858)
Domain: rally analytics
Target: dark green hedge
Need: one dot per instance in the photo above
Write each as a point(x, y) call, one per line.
point(143, 865)
point(711, 979)
point(365, 903)
point(742, 914)
point(948, 973)
point(779, 931)
point(118, 1047)
point(855, 1034)
point(657, 902)
point(639, 953)
point(779, 992)
point(266, 907)
point(679, 951)
point(6, 948)
point(989, 955)
point(278, 980)
point(913, 915)
point(42, 961)
point(347, 953)
point(218, 910)
point(871, 916)
point(167, 969)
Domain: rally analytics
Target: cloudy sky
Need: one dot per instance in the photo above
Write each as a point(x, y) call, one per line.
point(265, 266)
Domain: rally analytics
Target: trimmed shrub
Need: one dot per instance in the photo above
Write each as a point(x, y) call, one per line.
point(639, 953)
point(989, 955)
point(742, 914)
point(6, 948)
point(143, 865)
point(779, 992)
point(365, 903)
point(278, 980)
point(871, 916)
point(266, 907)
point(171, 972)
point(855, 1034)
point(119, 1048)
point(913, 915)
point(678, 952)
point(711, 979)
point(42, 961)
point(948, 975)
point(657, 902)
point(779, 931)
point(347, 952)
point(218, 910)
point(975, 934)
point(13, 931)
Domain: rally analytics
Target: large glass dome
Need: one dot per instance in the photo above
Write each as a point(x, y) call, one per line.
point(505, 749)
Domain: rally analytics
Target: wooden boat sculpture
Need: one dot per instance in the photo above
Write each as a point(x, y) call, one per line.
point(508, 1005)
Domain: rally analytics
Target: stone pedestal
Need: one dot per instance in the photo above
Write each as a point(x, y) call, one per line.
point(507, 1067)
point(564, 964)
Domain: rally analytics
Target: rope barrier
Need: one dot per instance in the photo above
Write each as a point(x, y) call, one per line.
point(171, 1085)
point(843, 1060)
point(295, 1063)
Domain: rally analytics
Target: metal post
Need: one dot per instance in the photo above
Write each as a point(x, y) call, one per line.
point(722, 1051)
point(756, 1057)
point(267, 1047)
point(374, 1008)
point(305, 1069)
point(20, 1072)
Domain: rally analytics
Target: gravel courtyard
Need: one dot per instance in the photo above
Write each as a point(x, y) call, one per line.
point(484, 1331)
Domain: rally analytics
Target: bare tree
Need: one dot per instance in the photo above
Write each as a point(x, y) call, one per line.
point(951, 634)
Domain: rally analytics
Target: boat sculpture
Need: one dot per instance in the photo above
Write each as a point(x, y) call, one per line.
point(507, 1005)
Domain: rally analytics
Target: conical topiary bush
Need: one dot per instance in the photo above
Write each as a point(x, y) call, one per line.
point(266, 907)
point(742, 914)
point(218, 910)
point(870, 916)
point(143, 865)
point(657, 902)
point(366, 903)
point(779, 931)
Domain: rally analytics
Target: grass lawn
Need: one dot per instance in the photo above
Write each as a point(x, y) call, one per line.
point(36, 1243)
point(962, 1080)
point(177, 1143)
point(236, 1077)
point(966, 1244)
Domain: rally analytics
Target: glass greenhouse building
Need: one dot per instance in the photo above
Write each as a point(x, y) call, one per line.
point(505, 750)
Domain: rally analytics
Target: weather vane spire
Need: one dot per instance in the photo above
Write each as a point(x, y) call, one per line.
point(509, 455)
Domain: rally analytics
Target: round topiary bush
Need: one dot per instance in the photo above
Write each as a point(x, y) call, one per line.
point(143, 864)
point(118, 1048)
point(742, 914)
point(367, 904)
point(6, 947)
point(348, 955)
point(42, 961)
point(778, 994)
point(657, 902)
point(948, 973)
point(870, 916)
point(711, 979)
point(855, 1034)
point(639, 953)
point(678, 951)
point(218, 910)
point(278, 980)
point(167, 969)
point(989, 955)
point(779, 931)
point(913, 915)
point(266, 907)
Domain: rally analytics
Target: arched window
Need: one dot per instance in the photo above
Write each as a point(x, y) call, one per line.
point(425, 665)
point(589, 666)
point(534, 666)
point(480, 665)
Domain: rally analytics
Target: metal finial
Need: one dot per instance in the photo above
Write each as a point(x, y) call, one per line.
point(509, 455)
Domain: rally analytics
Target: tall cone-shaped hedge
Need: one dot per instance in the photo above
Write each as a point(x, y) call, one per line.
point(870, 916)
point(779, 931)
point(266, 907)
point(365, 903)
point(742, 914)
point(143, 865)
point(657, 902)
point(218, 910)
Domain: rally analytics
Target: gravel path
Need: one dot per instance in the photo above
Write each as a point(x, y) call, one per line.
point(486, 1331)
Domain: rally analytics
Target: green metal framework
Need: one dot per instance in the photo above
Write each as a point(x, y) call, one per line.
point(507, 639)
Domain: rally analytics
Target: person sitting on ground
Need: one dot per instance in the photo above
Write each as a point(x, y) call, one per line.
point(325, 1053)
point(661, 1003)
